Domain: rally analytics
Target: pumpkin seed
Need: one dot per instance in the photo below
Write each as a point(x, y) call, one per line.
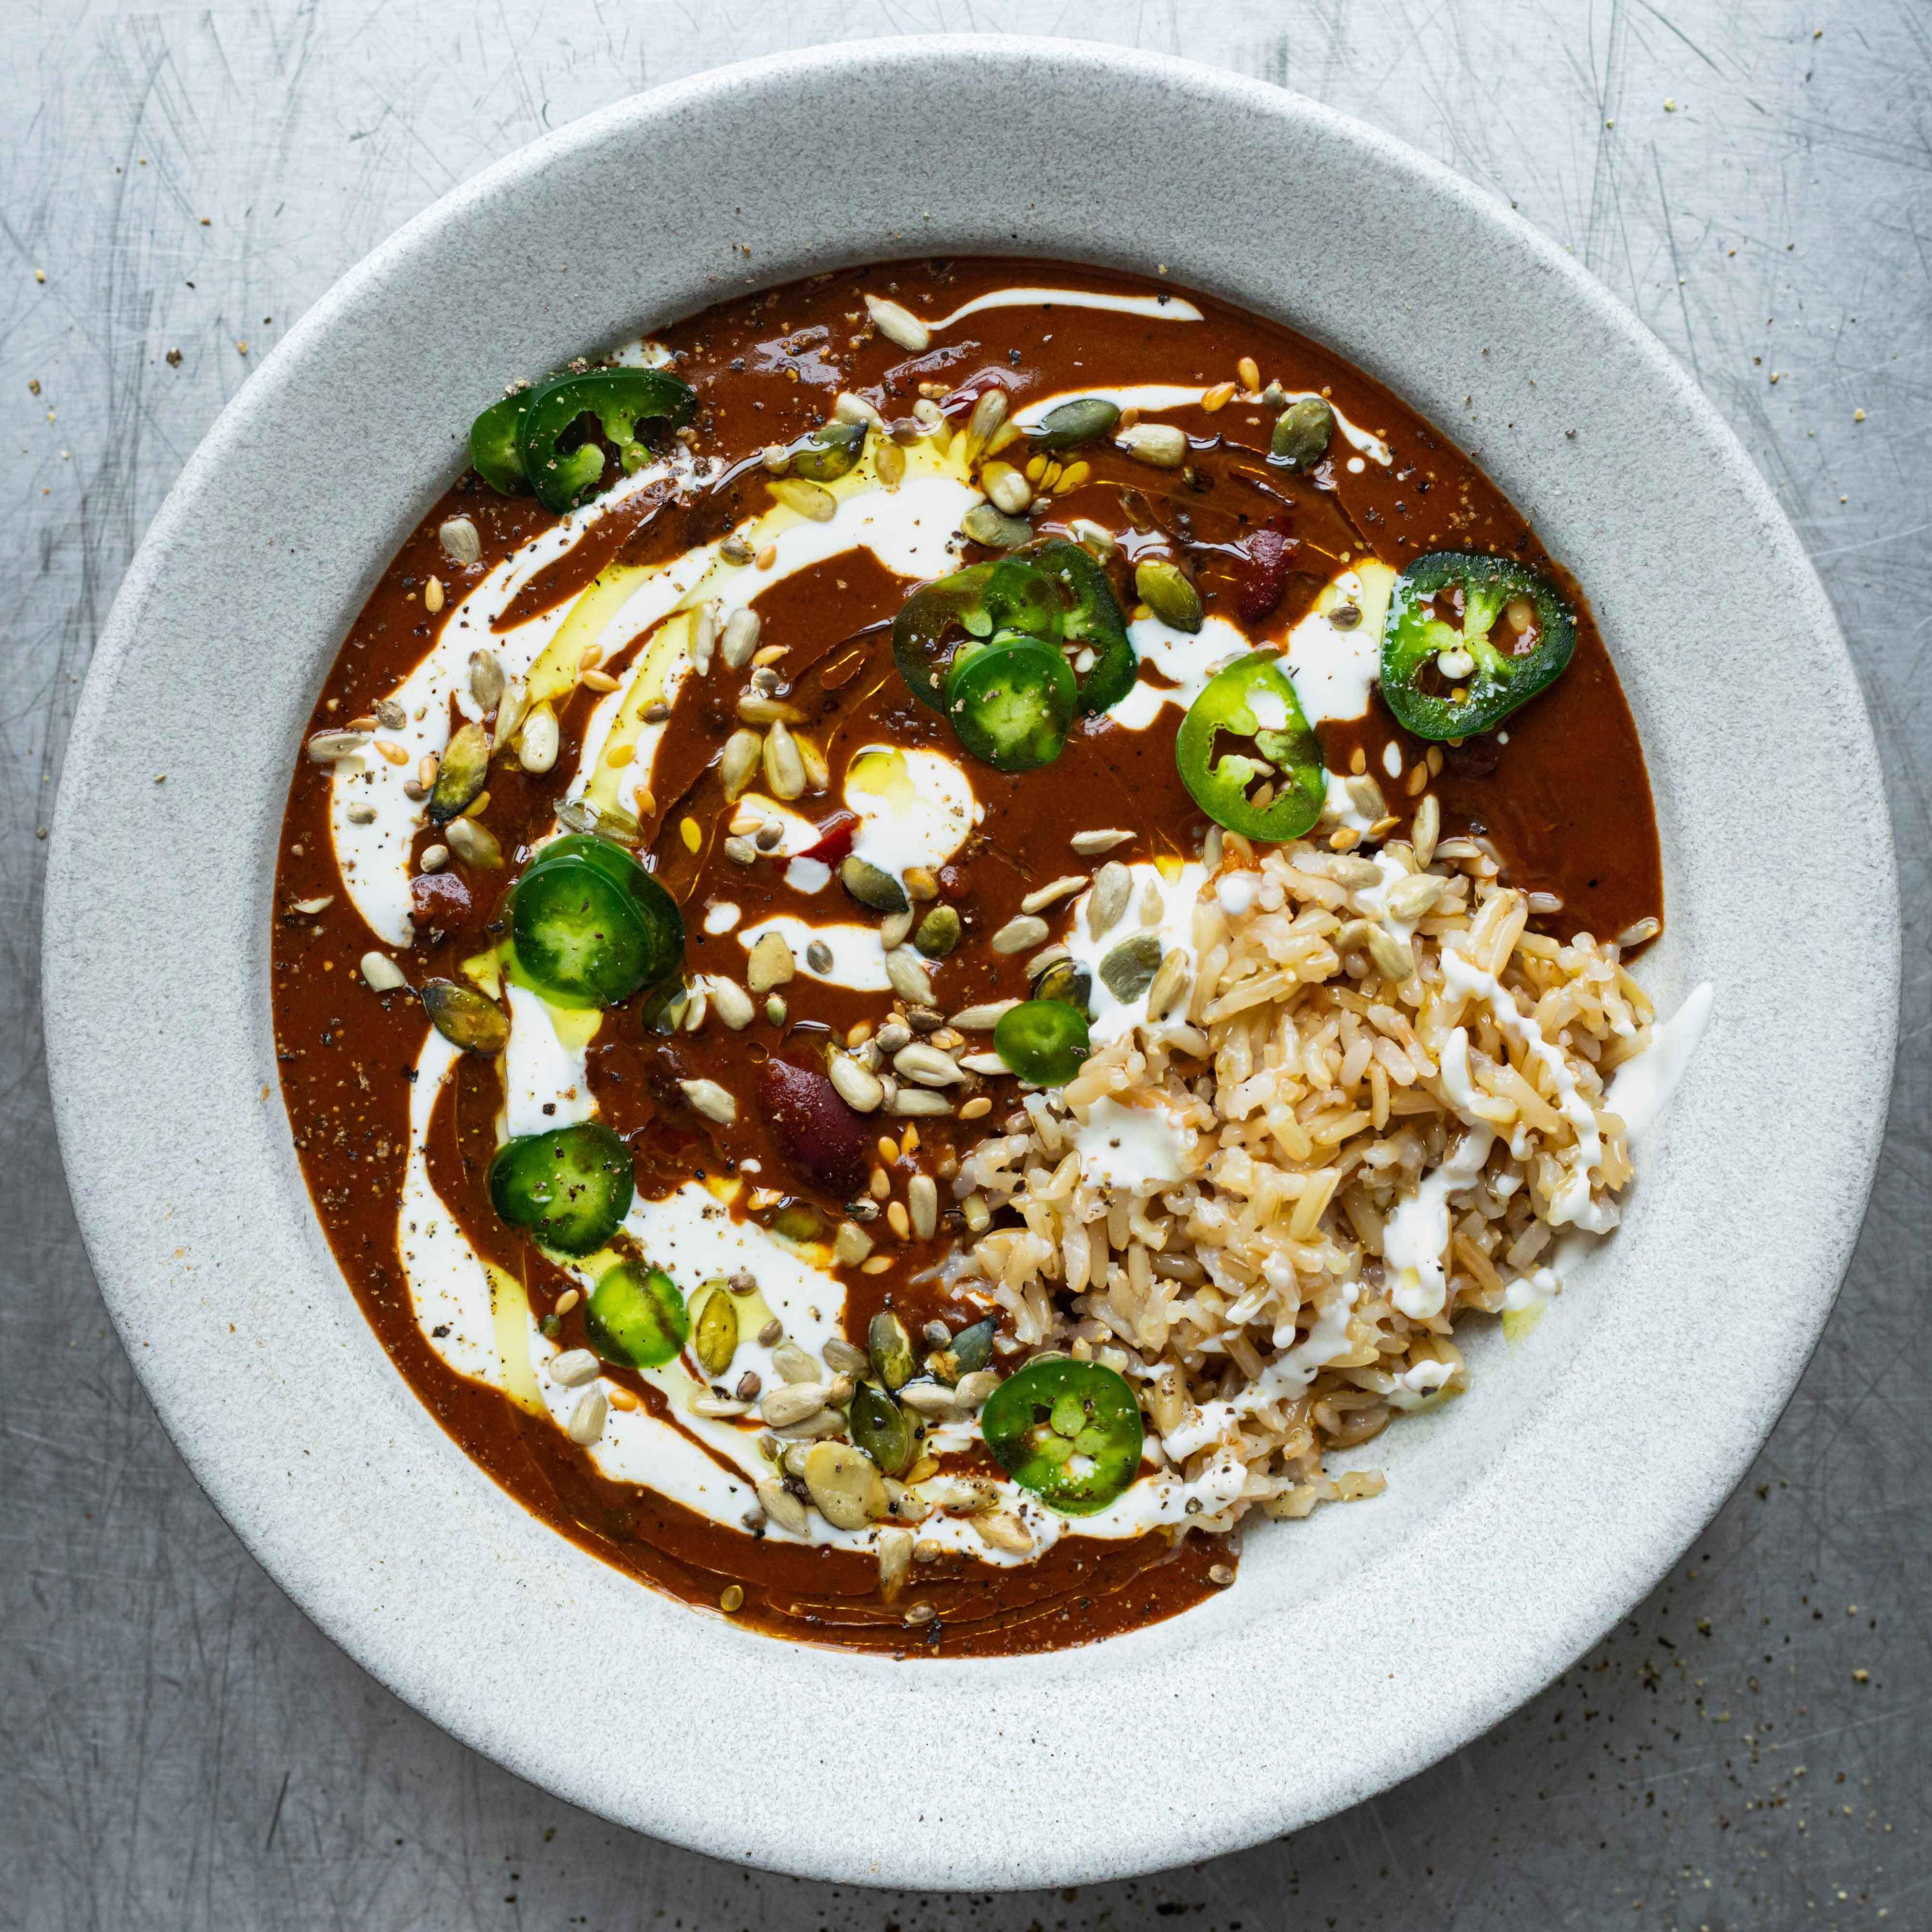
point(907, 976)
point(1113, 886)
point(466, 1018)
point(475, 844)
point(1020, 934)
point(460, 773)
point(782, 1507)
point(1159, 445)
point(715, 1340)
point(460, 543)
point(899, 326)
point(829, 453)
point(862, 1091)
point(327, 748)
point(938, 933)
point(890, 1348)
point(1084, 421)
point(1129, 970)
point(882, 1429)
point(1005, 488)
point(1301, 433)
point(771, 963)
point(845, 1484)
point(714, 1102)
point(894, 1562)
point(1067, 982)
point(810, 500)
point(381, 973)
point(487, 681)
point(1164, 588)
point(871, 886)
point(985, 524)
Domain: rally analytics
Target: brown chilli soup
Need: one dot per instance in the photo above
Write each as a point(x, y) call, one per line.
point(934, 928)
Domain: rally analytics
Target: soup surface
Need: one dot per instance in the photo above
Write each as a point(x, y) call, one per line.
point(915, 1167)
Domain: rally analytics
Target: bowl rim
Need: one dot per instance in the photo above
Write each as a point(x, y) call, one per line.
point(233, 1469)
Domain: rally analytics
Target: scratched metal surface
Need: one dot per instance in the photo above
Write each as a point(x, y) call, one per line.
point(182, 1749)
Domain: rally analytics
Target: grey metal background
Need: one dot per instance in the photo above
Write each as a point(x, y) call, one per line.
point(179, 1748)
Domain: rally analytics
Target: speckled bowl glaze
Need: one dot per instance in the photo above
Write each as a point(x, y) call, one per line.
point(1519, 1523)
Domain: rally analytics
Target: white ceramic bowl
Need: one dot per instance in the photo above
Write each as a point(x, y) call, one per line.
point(1520, 1523)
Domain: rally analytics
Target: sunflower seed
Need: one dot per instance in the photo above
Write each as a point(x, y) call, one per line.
point(1410, 898)
point(989, 1064)
point(989, 412)
point(862, 1091)
point(714, 1102)
point(931, 1399)
point(1043, 896)
point(899, 326)
point(888, 463)
point(906, 972)
point(740, 640)
point(1113, 886)
point(588, 1418)
point(1426, 829)
point(1090, 845)
point(895, 928)
point(1366, 796)
point(739, 761)
point(893, 1035)
point(537, 742)
point(486, 680)
point(794, 1364)
point(926, 1065)
point(574, 1367)
point(1169, 985)
point(851, 1244)
point(1394, 958)
point(841, 1355)
point(921, 1102)
point(771, 963)
point(434, 858)
point(460, 543)
point(1093, 538)
point(972, 1390)
point(982, 1019)
point(327, 748)
point(784, 770)
point(703, 638)
point(1002, 1531)
point(894, 1562)
point(1160, 444)
point(1018, 935)
point(783, 1507)
point(382, 974)
point(475, 844)
point(719, 1407)
point(795, 1402)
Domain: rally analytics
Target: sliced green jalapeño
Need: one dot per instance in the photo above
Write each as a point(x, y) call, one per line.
point(516, 444)
point(1277, 791)
point(570, 1187)
point(591, 926)
point(1441, 681)
point(636, 1317)
point(1011, 702)
point(970, 606)
point(1044, 1041)
point(1070, 1432)
point(1096, 633)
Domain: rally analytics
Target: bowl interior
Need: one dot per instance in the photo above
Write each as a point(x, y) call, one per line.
point(1519, 1523)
